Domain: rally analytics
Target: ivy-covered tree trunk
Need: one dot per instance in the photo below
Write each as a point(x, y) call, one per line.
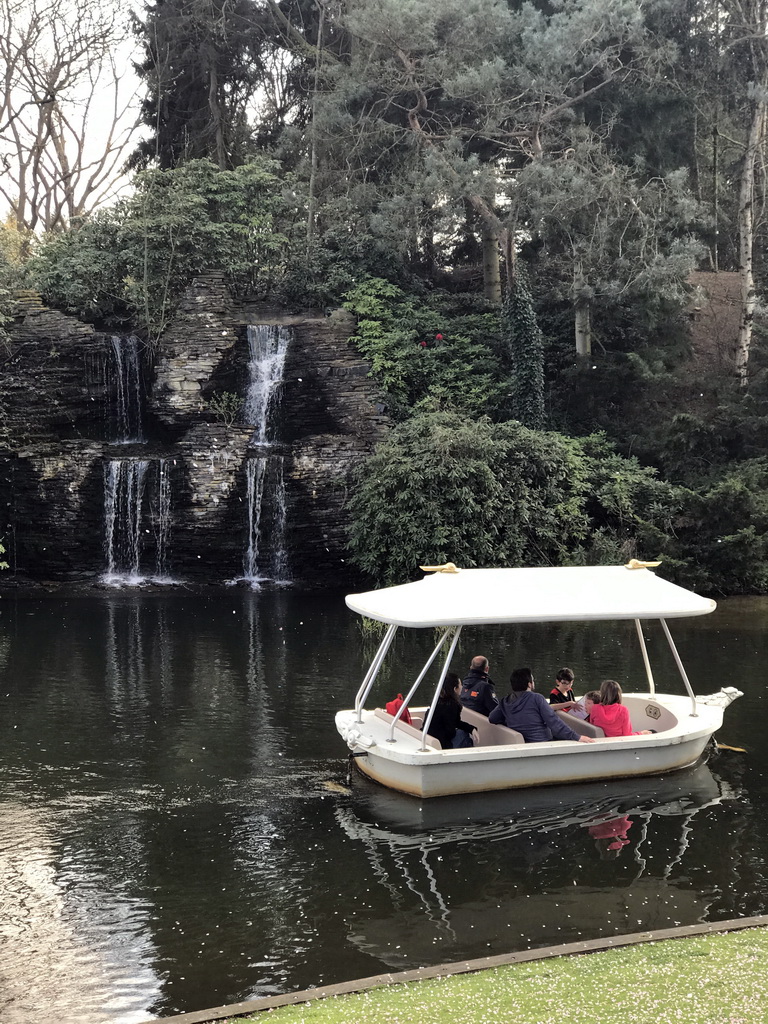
point(525, 350)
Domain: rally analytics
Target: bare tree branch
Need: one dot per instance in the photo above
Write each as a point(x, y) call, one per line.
point(67, 116)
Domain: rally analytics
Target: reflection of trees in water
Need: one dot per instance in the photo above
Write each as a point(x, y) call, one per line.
point(537, 875)
point(167, 720)
point(175, 748)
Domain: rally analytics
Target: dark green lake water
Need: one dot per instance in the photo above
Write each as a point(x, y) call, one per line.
point(175, 831)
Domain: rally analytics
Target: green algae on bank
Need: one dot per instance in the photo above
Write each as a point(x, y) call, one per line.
point(712, 979)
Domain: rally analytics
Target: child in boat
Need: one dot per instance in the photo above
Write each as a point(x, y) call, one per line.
point(561, 694)
point(446, 725)
point(583, 707)
point(610, 714)
point(528, 713)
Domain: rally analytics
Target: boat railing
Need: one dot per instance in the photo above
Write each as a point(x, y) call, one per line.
point(680, 667)
point(646, 660)
point(441, 680)
point(414, 688)
point(373, 671)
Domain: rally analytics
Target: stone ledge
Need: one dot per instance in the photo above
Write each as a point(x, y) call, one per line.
point(462, 967)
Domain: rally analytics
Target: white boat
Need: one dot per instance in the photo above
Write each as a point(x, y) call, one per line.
point(405, 758)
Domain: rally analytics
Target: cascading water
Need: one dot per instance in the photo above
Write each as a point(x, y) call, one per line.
point(279, 553)
point(254, 480)
point(267, 348)
point(129, 413)
point(162, 521)
point(265, 555)
point(123, 496)
point(137, 504)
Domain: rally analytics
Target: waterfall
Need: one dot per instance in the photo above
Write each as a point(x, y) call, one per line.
point(265, 555)
point(279, 555)
point(267, 346)
point(129, 414)
point(254, 482)
point(162, 520)
point(129, 519)
point(123, 497)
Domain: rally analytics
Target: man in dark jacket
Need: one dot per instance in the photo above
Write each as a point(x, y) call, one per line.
point(477, 690)
point(529, 713)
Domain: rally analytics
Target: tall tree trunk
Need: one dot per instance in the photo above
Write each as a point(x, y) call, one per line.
point(746, 237)
point(311, 197)
point(222, 159)
point(491, 271)
point(582, 313)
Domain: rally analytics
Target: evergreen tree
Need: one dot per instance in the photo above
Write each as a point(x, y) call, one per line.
point(606, 232)
point(203, 64)
point(524, 349)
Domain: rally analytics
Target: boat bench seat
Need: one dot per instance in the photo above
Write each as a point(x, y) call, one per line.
point(580, 726)
point(490, 735)
point(407, 729)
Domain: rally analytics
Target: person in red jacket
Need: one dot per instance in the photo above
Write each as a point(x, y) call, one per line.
point(610, 714)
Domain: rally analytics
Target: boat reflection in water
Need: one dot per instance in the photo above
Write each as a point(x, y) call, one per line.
point(514, 870)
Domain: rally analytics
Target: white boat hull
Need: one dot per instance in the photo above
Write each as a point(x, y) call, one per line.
point(401, 765)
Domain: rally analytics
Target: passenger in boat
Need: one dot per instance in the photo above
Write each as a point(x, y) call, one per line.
point(584, 706)
point(561, 693)
point(528, 713)
point(393, 706)
point(478, 692)
point(446, 725)
point(610, 714)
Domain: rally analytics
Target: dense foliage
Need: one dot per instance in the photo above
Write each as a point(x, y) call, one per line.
point(429, 353)
point(510, 197)
point(138, 257)
point(478, 493)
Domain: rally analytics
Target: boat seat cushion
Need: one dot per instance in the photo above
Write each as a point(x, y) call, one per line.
point(490, 735)
point(580, 726)
point(407, 729)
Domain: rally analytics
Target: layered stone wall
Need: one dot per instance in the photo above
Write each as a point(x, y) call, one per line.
point(201, 338)
point(54, 377)
point(58, 402)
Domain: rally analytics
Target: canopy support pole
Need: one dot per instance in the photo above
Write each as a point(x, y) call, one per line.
point(415, 686)
point(439, 687)
point(646, 662)
point(373, 671)
point(680, 668)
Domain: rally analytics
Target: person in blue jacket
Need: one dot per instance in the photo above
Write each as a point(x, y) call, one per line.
point(530, 714)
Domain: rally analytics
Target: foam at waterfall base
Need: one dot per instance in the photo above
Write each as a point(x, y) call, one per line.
point(129, 579)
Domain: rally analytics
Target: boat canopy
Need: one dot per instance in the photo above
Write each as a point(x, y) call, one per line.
point(472, 597)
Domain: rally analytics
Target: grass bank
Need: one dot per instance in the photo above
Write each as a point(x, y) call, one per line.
point(711, 979)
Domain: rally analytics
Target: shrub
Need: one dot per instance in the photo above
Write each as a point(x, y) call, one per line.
point(140, 256)
point(427, 355)
point(479, 494)
point(476, 493)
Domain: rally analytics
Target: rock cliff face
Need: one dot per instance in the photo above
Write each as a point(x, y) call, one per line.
point(113, 468)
